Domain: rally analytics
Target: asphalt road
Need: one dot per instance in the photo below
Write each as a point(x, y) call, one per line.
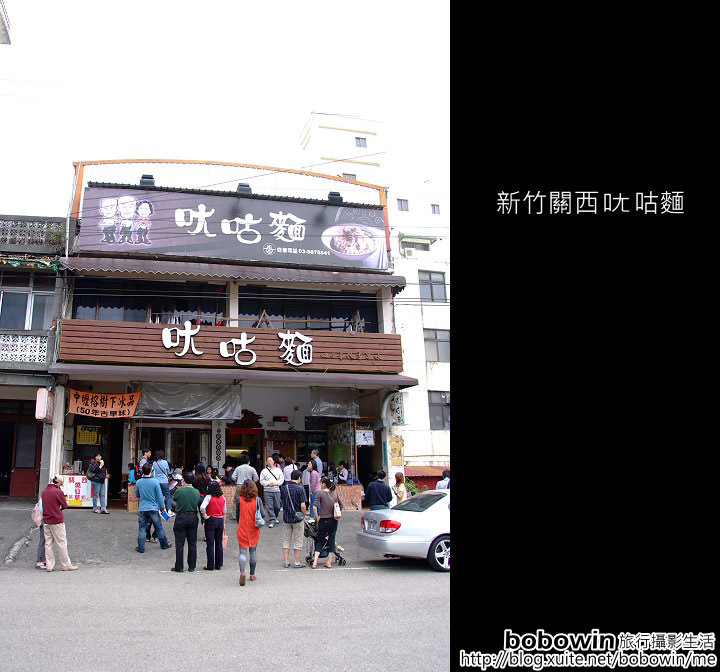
point(122, 609)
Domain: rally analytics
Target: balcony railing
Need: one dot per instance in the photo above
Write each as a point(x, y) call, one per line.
point(16, 233)
point(29, 348)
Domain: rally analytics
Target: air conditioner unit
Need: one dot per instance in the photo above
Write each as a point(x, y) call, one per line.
point(409, 252)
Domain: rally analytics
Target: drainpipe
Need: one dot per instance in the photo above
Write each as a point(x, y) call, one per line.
point(58, 431)
point(385, 419)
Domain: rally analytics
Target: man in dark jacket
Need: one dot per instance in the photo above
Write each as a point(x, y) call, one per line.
point(378, 493)
point(53, 503)
point(98, 473)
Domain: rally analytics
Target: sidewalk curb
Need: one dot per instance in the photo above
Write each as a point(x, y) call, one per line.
point(19, 545)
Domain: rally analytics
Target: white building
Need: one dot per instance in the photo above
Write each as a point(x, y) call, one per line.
point(418, 210)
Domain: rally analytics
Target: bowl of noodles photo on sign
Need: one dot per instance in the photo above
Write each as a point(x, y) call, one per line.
point(350, 241)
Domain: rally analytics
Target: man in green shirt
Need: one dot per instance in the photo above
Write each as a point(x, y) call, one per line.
point(187, 499)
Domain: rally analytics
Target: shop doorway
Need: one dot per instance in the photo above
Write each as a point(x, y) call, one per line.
point(185, 447)
point(7, 439)
point(239, 440)
point(279, 442)
point(188, 447)
point(114, 460)
point(20, 445)
point(365, 468)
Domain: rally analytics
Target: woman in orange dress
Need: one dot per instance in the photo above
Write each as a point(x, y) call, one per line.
point(247, 534)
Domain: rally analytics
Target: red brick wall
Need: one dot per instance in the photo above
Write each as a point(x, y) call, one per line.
point(350, 496)
point(430, 481)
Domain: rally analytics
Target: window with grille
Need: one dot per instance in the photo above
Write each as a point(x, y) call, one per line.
point(435, 208)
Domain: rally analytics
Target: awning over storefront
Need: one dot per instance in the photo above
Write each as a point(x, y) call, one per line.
point(195, 270)
point(424, 472)
point(369, 381)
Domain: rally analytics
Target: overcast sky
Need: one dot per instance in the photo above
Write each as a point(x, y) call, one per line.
point(227, 81)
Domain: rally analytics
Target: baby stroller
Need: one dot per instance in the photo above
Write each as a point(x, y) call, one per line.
point(310, 531)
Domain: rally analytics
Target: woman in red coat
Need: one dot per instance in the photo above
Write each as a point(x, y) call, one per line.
point(247, 534)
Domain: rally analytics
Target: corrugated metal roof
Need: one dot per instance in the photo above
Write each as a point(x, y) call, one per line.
point(143, 267)
point(212, 192)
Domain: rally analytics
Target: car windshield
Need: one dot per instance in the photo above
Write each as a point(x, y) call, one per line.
point(419, 502)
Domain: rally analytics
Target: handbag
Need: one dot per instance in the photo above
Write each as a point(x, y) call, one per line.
point(36, 516)
point(259, 520)
point(298, 515)
point(336, 508)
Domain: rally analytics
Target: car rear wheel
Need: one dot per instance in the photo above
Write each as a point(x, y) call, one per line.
point(439, 554)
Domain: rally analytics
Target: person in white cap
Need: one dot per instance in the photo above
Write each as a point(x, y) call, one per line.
point(53, 503)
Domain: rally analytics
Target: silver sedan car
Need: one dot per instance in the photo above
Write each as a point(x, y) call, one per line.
point(417, 528)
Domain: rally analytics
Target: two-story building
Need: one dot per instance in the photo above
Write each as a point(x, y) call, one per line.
point(31, 291)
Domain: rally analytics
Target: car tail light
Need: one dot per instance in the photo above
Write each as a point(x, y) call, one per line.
point(362, 523)
point(389, 526)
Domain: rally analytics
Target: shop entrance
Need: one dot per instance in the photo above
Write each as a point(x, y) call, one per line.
point(185, 447)
point(20, 445)
point(239, 440)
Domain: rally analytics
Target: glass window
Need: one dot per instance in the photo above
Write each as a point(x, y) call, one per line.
point(439, 407)
point(341, 316)
point(274, 312)
point(84, 308)
point(403, 204)
point(162, 309)
point(361, 142)
point(25, 447)
point(295, 315)
point(435, 208)
point(432, 286)
point(437, 345)
point(368, 312)
point(111, 308)
point(349, 176)
point(13, 309)
point(42, 311)
point(135, 309)
point(318, 313)
point(185, 309)
point(420, 502)
point(248, 311)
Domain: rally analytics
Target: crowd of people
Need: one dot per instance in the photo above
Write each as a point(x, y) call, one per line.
point(195, 499)
point(199, 501)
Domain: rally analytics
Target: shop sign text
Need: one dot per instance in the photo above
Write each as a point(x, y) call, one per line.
point(296, 347)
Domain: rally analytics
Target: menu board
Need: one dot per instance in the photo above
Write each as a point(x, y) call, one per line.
point(87, 435)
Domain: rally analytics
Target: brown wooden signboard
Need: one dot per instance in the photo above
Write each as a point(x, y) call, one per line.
point(142, 344)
